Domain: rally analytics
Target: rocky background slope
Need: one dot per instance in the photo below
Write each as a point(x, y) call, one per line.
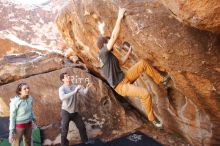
point(28, 27)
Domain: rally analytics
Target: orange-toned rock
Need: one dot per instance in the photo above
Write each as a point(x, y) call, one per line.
point(203, 14)
point(189, 55)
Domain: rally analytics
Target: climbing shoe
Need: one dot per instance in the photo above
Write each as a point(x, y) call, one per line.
point(166, 81)
point(157, 124)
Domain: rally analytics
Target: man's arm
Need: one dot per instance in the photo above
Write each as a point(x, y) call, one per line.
point(13, 114)
point(125, 58)
point(32, 112)
point(116, 29)
point(64, 96)
point(85, 90)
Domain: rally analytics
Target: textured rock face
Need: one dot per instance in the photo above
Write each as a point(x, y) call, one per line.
point(10, 47)
point(29, 26)
point(15, 67)
point(191, 107)
point(203, 14)
point(102, 113)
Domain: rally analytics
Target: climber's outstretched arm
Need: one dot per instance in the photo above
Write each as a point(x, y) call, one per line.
point(116, 29)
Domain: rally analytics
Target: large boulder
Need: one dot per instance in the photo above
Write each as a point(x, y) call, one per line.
point(190, 56)
point(14, 67)
point(102, 113)
point(203, 14)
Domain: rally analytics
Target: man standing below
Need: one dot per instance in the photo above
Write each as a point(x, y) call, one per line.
point(68, 95)
point(122, 82)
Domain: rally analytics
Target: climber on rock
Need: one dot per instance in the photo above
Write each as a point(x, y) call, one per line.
point(68, 93)
point(122, 82)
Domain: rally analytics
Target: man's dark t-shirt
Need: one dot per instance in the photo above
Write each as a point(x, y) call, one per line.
point(110, 68)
